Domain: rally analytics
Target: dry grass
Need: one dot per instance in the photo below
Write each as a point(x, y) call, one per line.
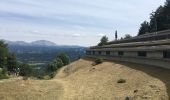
point(18, 89)
point(83, 81)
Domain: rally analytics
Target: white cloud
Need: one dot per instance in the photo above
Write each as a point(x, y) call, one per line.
point(61, 20)
point(76, 35)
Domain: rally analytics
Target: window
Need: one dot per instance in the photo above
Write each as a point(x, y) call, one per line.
point(166, 54)
point(107, 52)
point(142, 53)
point(93, 52)
point(88, 52)
point(120, 53)
point(99, 52)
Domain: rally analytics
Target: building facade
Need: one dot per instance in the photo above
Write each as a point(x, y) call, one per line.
point(155, 51)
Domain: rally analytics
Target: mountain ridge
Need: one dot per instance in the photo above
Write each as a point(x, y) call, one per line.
point(37, 43)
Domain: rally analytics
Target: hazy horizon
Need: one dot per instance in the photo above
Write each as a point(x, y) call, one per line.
point(72, 22)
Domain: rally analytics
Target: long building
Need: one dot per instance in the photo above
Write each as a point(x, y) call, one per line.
point(150, 49)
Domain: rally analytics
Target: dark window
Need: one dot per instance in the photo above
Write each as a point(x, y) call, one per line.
point(93, 52)
point(166, 54)
point(120, 53)
point(107, 52)
point(88, 52)
point(142, 53)
point(99, 52)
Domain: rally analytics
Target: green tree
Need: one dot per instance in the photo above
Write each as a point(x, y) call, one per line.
point(144, 28)
point(11, 62)
point(104, 40)
point(56, 64)
point(3, 54)
point(64, 58)
point(159, 20)
point(127, 36)
point(25, 70)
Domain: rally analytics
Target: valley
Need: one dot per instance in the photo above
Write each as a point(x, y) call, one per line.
point(42, 52)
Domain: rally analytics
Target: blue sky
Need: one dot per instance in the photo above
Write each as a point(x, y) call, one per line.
point(72, 22)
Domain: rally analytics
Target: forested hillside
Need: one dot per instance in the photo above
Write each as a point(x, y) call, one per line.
point(159, 20)
point(43, 54)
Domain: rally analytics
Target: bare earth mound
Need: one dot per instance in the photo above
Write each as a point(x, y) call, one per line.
point(83, 81)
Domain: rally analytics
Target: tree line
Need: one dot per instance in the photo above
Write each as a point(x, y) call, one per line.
point(159, 20)
point(105, 40)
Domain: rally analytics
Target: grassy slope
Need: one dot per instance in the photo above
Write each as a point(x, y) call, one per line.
point(82, 81)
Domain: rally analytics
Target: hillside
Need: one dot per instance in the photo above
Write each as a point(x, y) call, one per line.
point(82, 81)
point(44, 54)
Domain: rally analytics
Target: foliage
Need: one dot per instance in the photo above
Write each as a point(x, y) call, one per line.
point(116, 35)
point(52, 75)
point(64, 58)
point(11, 62)
point(25, 78)
point(3, 73)
point(121, 81)
point(56, 64)
point(127, 36)
point(25, 70)
point(98, 61)
point(144, 28)
point(3, 54)
point(104, 40)
point(159, 20)
point(8, 60)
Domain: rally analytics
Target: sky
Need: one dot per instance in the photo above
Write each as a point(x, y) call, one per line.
point(72, 22)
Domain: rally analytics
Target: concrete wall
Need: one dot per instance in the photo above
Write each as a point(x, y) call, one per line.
point(155, 54)
point(130, 54)
point(155, 62)
point(103, 53)
point(153, 57)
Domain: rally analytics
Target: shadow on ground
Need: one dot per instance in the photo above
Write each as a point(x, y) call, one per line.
point(157, 72)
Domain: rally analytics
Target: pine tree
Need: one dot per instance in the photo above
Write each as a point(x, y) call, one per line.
point(144, 28)
point(159, 20)
point(104, 40)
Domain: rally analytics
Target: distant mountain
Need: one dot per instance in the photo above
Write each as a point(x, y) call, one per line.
point(43, 43)
point(19, 43)
point(34, 43)
point(22, 43)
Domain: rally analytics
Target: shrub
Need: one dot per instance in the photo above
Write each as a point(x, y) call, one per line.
point(121, 81)
point(25, 70)
point(98, 61)
point(52, 67)
point(3, 73)
point(64, 58)
point(56, 64)
point(52, 75)
point(25, 78)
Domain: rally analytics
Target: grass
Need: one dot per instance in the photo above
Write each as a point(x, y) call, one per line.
point(98, 61)
point(121, 81)
point(78, 82)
